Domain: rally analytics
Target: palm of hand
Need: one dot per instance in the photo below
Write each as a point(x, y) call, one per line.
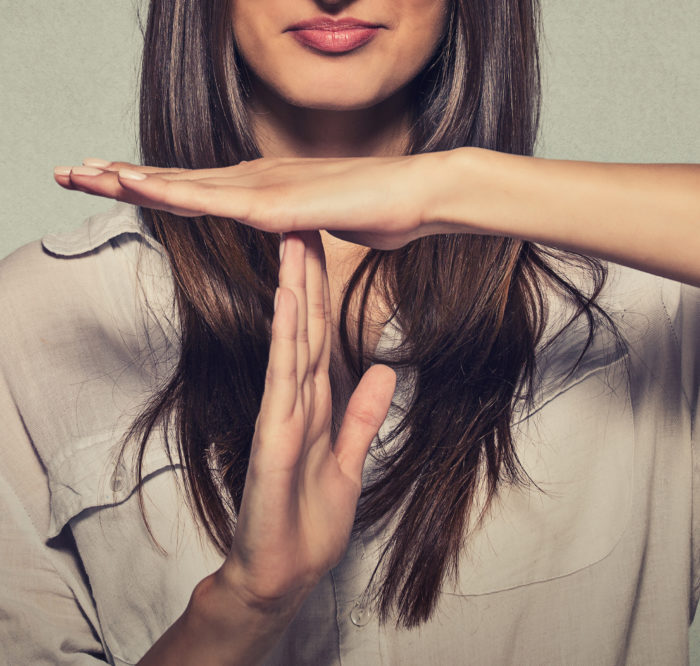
point(301, 493)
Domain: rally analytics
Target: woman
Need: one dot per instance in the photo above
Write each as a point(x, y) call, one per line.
point(517, 504)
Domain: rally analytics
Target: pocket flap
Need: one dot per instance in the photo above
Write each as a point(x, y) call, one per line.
point(88, 476)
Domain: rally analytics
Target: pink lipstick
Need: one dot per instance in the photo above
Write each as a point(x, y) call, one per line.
point(334, 36)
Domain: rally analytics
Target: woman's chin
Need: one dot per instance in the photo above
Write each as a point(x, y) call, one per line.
point(322, 90)
point(334, 97)
point(335, 104)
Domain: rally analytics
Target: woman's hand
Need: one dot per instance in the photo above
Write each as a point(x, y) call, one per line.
point(642, 215)
point(375, 201)
point(301, 492)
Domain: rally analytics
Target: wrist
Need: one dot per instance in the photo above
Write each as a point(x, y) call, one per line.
point(469, 187)
point(219, 627)
point(230, 627)
point(227, 589)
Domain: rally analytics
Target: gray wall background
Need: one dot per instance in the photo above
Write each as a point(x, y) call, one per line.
point(622, 83)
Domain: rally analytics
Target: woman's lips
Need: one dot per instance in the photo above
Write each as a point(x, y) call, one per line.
point(334, 36)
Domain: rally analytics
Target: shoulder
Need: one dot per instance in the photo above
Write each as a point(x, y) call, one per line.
point(641, 305)
point(648, 307)
point(80, 355)
point(51, 270)
point(76, 324)
point(644, 318)
point(659, 319)
point(72, 280)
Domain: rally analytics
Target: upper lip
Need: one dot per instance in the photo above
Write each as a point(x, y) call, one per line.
point(326, 23)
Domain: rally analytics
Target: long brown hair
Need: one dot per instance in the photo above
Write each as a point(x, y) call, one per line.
point(471, 308)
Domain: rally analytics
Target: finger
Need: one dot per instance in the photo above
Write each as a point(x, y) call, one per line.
point(115, 167)
point(169, 173)
point(325, 361)
point(242, 170)
point(187, 198)
point(101, 178)
point(322, 410)
point(315, 301)
point(293, 276)
point(365, 413)
point(61, 175)
point(281, 386)
point(101, 183)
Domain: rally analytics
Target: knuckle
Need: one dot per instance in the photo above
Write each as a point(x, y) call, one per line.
point(280, 335)
point(317, 309)
point(277, 375)
point(364, 415)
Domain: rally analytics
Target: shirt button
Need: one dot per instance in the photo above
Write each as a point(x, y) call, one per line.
point(360, 616)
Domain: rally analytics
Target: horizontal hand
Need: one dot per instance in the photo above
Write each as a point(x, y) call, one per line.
point(373, 201)
point(642, 215)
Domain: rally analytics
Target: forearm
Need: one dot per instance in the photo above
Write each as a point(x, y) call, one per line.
point(219, 629)
point(644, 216)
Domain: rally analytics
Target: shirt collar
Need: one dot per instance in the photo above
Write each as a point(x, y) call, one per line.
point(97, 230)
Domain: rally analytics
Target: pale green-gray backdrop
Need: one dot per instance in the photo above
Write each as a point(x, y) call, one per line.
point(622, 83)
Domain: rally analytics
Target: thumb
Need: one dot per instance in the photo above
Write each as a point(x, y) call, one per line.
point(366, 411)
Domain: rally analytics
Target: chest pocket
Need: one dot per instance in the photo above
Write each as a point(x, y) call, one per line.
point(85, 476)
point(139, 588)
point(578, 447)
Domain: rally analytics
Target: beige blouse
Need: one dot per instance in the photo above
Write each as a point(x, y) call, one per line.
point(601, 568)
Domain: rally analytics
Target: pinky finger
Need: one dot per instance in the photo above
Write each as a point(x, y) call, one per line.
point(186, 197)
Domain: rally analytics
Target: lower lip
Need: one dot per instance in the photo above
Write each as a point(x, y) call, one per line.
point(335, 41)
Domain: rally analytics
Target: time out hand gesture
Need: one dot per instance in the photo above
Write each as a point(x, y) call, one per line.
point(376, 201)
point(301, 492)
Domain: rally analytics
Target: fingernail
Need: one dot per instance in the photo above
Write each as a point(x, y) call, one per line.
point(277, 295)
point(86, 171)
point(128, 174)
point(96, 162)
point(283, 242)
point(62, 170)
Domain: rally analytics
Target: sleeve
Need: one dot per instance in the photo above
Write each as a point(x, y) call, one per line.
point(46, 612)
point(689, 327)
point(683, 310)
point(690, 352)
point(682, 304)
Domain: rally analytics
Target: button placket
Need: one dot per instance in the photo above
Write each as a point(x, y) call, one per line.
point(360, 613)
point(357, 624)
